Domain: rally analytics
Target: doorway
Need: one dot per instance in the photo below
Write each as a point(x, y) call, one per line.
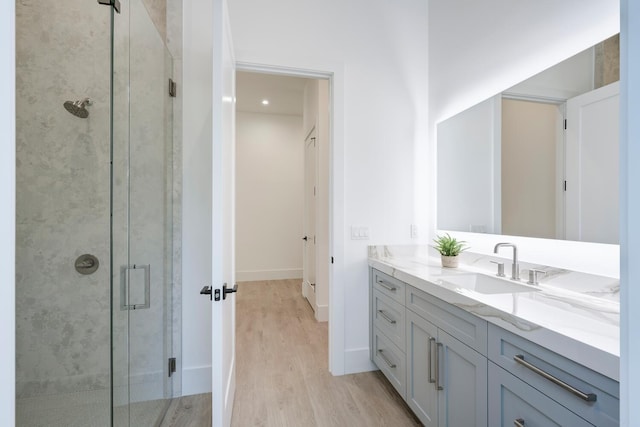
point(282, 183)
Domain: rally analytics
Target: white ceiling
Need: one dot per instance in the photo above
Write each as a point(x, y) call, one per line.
point(285, 94)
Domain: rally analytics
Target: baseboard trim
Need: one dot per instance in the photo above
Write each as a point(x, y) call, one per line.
point(357, 360)
point(322, 313)
point(255, 275)
point(196, 380)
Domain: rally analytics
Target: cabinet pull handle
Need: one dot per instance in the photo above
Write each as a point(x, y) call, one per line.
point(386, 317)
point(386, 285)
point(589, 397)
point(431, 341)
point(518, 422)
point(438, 386)
point(387, 361)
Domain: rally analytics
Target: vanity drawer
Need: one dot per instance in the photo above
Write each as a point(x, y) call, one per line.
point(513, 402)
point(388, 317)
point(391, 361)
point(599, 402)
point(389, 286)
point(466, 327)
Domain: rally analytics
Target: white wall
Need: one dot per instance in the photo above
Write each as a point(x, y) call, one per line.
point(377, 52)
point(7, 213)
point(569, 78)
point(269, 196)
point(524, 39)
point(482, 48)
point(469, 169)
point(197, 195)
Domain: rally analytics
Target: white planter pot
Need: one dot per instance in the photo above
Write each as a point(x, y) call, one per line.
point(449, 261)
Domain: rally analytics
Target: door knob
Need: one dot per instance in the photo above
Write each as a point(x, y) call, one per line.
point(206, 290)
point(305, 238)
point(226, 290)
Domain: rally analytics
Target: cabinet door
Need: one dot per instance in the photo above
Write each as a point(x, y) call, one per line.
point(463, 379)
point(422, 395)
point(513, 402)
point(391, 361)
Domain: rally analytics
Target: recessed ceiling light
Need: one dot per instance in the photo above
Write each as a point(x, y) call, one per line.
point(265, 102)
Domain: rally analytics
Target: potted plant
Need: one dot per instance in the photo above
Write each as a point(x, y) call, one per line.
point(449, 248)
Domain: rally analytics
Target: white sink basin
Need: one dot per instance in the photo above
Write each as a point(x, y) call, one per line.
point(487, 284)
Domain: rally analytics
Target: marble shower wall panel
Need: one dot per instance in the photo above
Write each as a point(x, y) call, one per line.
point(607, 62)
point(157, 10)
point(62, 179)
point(174, 28)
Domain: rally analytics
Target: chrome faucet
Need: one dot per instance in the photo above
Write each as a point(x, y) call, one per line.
point(515, 268)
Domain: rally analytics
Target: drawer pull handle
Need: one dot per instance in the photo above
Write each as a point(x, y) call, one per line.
point(438, 386)
point(386, 285)
point(387, 361)
point(518, 422)
point(386, 317)
point(589, 397)
point(431, 360)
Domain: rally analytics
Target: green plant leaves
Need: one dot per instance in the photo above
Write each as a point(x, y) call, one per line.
point(449, 246)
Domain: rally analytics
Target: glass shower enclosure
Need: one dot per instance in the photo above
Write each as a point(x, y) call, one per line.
point(95, 223)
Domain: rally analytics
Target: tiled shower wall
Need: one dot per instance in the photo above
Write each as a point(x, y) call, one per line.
point(63, 189)
point(62, 207)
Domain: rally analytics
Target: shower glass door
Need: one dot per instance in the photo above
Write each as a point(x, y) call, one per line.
point(142, 220)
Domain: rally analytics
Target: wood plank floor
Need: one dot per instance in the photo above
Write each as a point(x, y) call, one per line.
point(282, 371)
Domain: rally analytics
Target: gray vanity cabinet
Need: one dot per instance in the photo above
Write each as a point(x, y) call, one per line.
point(422, 393)
point(463, 371)
point(588, 394)
point(446, 379)
point(454, 369)
point(433, 353)
point(512, 402)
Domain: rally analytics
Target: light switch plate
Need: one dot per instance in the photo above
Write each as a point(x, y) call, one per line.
point(359, 232)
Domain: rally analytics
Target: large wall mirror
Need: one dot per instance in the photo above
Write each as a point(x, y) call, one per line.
point(539, 159)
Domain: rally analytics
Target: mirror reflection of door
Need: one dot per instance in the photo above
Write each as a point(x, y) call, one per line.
point(532, 171)
point(309, 223)
point(592, 165)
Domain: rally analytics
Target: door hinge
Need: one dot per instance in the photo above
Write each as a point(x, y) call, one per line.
point(314, 190)
point(172, 365)
point(565, 186)
point(173, 88)
point(331, 260)
point(114, 3)
point(565, 124)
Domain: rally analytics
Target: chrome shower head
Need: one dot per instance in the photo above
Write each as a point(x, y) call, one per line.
point(78, 108)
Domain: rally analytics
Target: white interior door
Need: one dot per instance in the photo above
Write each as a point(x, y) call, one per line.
point(223, 236)
point(592, 165)
point(309, 223)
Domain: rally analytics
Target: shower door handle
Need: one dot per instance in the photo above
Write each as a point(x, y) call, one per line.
point(125, 274)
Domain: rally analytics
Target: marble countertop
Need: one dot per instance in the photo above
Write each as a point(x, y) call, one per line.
point(573, 314)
